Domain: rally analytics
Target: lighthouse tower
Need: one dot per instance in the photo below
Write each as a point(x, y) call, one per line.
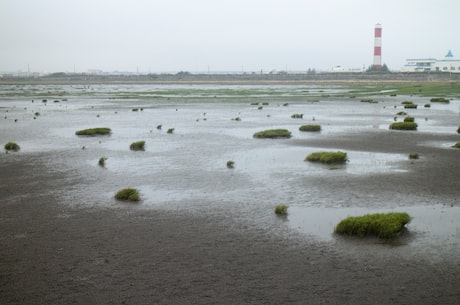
point(377, 46)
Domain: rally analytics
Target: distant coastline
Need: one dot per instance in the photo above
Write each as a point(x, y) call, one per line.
point(185, 77)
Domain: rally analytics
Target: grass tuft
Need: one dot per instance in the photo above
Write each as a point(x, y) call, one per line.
point(337, 157)
point(439, 100)
point(456, 145)
point(102, 161)
point(230, 164)
point(139, 145)
point(409, 119)
point(297, 116)
point(12, 146)
point(281, 210)
point(404, 126)
point(310, 128)
point(368, 100)
point(94, 131)
point(128, 194)
point(273, 134)
point(413, 156)
point(386, 225)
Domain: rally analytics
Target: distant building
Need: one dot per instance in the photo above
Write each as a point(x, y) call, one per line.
point(448, 64)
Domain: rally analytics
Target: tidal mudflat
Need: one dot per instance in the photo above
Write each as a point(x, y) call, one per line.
point(183, 174)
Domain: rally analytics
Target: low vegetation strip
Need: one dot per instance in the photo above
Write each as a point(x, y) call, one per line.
point(12, 146)
point(337, 157)
point(128, 194)
point(273, 133)
point(404, 126)
point(310, 127)
point(382, 225)
point(138, 145)
point(94, 131)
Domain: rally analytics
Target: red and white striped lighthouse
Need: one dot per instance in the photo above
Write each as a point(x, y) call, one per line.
point(378, 46)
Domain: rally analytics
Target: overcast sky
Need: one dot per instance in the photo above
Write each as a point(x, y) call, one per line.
point(221, 35)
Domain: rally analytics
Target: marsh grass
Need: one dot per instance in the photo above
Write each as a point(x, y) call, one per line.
point(273, 134)
point(139, 145)
point(94, 131)
point(410, 106)
point(326, 157)
point(12, 146)
point(413, 156)
point(409, 119)
point(310, 127)
point(404, 126)
point(281, 210)
point(382, 225)
point(368, 100)
point(458, 129)
point(401, 113)
point(128, 194)
point(439, 100)
point(456, 145)
point(230, 164)
point(101, 161)
point(170, 130)
point(297, 116)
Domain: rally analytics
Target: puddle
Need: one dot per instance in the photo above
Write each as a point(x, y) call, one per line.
point(434, 225)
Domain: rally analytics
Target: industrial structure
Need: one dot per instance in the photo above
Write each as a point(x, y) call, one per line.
point(448, 64)
point(377, 46)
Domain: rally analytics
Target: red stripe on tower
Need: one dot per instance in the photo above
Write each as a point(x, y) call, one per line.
point(378, 46)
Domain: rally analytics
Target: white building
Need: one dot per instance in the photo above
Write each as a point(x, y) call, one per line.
point(448, 64)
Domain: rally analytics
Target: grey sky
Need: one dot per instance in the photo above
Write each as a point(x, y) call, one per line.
point(234, 35)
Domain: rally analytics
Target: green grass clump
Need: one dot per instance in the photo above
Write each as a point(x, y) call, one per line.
point(297, 116)
point(230, 164)
point(413, 106)
point(310, 128)
point(427, 105)
point(273, 133)
point(386, 225)
point(439, 100)
point(409, 119)
point(102, 161)
point(12, 146)
point(281, 209)
point(413, 156)
point(139, 145)
point(404, 126)
point(368, 100)
point(170, 130)
point(94, 131)
point(401, 113)
point(456, 145)
point(327, 157)
point(128, 194)
point(458, 129)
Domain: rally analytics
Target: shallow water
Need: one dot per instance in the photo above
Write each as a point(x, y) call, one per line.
point(186, 170)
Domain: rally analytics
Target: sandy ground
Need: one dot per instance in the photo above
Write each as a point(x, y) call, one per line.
point(56, 254)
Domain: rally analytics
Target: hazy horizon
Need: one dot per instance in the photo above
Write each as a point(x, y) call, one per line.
point(203, 35)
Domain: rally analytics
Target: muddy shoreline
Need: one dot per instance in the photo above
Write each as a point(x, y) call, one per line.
point(57, 254)
point(204, 234)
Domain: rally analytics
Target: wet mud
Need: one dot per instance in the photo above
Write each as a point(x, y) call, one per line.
point(206, 234)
